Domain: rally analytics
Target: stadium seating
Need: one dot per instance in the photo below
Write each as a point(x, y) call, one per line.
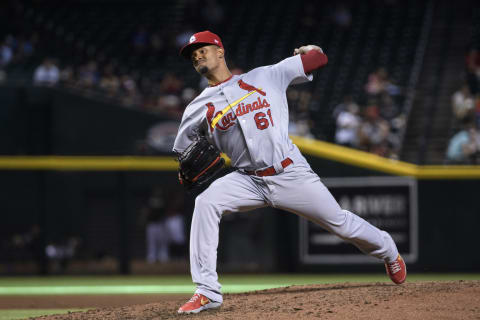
point(380, 35)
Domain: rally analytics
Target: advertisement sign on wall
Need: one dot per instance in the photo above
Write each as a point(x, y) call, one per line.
point(390, 203)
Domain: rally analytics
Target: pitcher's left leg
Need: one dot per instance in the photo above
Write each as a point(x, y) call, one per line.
point(300, 191)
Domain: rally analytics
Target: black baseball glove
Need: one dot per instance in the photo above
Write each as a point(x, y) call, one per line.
point(200, 163)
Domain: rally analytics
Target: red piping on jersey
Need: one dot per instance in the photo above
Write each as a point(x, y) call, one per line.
point(313, 60)
point(222, 81)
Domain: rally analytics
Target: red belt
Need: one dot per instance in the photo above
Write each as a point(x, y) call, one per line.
point(270, 171)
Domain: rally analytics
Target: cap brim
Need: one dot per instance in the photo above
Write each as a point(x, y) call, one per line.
point(187, 50)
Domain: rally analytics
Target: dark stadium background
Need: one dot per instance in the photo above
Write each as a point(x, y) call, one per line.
point(123, 87)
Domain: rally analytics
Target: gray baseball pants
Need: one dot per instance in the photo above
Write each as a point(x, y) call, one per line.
point(298, 190)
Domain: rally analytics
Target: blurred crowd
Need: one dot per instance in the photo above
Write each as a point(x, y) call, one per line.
point(165, 93)
point(464, 145)
point(15, 49)
point(372, 127)
point(375, 126)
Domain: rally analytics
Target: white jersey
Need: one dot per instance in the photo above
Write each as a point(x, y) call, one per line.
point(253, 133)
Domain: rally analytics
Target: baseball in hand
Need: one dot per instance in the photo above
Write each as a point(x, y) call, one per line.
point(305, 49)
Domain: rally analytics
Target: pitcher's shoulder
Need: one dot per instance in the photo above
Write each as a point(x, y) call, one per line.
point(199, 100)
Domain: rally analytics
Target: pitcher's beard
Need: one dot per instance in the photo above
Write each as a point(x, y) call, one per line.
point(203, 70)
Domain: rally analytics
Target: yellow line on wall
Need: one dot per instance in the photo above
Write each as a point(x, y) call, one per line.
point(448, 172)
point(367, 160)
point(353, 157)
point(87, 163)
point(91, 163)
point(311, 147)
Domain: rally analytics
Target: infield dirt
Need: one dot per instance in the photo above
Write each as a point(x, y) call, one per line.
point(416, 300)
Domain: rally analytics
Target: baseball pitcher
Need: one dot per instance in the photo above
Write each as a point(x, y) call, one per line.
point(246, 117)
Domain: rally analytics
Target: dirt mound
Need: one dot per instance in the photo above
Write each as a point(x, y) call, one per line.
point(416, 300)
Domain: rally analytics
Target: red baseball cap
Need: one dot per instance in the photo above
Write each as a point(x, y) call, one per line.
point(204, 37)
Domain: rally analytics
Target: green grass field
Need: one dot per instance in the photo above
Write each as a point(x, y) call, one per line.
point(63, 285)
point(14, 314)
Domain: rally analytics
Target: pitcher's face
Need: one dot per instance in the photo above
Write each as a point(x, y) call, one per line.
point(207, 58)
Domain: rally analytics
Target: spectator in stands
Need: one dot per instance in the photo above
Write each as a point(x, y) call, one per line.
point(171, 84)
point(303, 128)
point(88, 75)
point(15, 49)
point(373, 132)
point(464, 147)
point(67, 76)
point(348, 123)
point(130, 95)
point(6, 54)
point(379, 82)
point(109, 82)
point(463, 104)
point(299, 126)
point(300, 122)
point(169, 104)
point(47, 73)
point(344, 105)
point(25, 47)
point(299, 100)
point(387, 107)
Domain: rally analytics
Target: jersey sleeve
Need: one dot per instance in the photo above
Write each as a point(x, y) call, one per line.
point(188, 129)
point(288, 71)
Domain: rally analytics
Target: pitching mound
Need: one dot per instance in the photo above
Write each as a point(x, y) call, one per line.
point(418, 300)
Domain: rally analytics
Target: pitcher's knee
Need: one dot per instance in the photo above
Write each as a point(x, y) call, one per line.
point(202, 201)
point(204, 204)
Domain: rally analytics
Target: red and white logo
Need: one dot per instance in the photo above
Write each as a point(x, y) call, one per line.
point(248, 87)
point(227, 121)
point(192, 39)
point(240, 108)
